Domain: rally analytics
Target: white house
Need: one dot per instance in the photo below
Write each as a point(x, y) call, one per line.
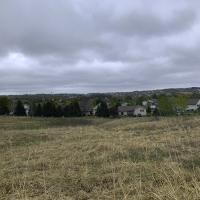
point(153, 103)
point(132, 110)
point(26, 107)
point(192, 104)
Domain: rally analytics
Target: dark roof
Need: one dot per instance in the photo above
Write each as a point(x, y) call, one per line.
point(192, 101)
point(85, 106)
point(128, 108)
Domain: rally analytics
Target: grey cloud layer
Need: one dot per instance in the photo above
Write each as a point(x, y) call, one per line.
point(97, 46)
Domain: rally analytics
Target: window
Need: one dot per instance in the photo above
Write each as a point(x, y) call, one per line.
point(141, 110)
point(122, 113)
point(130, 113)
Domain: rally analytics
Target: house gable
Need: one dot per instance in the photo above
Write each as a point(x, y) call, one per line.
point(192, 104)
point(131, 110)
point(86, 107)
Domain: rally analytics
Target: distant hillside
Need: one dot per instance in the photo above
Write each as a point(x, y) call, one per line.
point(66, 96)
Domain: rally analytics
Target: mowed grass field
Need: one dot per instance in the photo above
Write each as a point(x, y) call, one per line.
point(93, 158)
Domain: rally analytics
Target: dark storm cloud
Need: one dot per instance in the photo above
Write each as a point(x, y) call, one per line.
point(98, 46)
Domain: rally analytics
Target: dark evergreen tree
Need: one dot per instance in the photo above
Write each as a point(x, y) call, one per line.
point(118, 104)
point(20, 110)
point(48, 110)
point(102, 110)
point(156, 112)
point(98, 101)
point(4, 104)
point(38, 111)
point(59, 111)
point(54, 110)
point(66, 111)
point(74, 109)
point(4, 110)
point(148, 109)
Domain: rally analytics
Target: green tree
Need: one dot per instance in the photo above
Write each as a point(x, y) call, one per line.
point(154, 96)
point(165, 106)
point(59, 111)
point(112, 103)
point(102, 110)
point(63, 101)
point(148, 109)
point(98, 101)
point(38, 111)
point(66, 111)
point(180, 102)
point(139, 100)
point(156, 112)
point(94, 102)
point(148, 104)
point(19, 110)
point(118, 104)
point(74, 109)
point(49, 109)
point(195, 95)
point(128, 98)
point(4, 105)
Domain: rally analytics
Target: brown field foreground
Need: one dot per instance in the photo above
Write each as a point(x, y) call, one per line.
point(94, 158)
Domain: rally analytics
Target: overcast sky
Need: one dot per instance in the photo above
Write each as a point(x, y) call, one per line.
point(84, 46)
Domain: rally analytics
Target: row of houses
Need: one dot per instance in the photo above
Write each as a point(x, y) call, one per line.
point(88, 109)
point(191, 104)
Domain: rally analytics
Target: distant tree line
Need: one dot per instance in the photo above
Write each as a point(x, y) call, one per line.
point(49, 109)
point(167, 105)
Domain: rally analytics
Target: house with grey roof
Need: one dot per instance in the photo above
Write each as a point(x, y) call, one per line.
point(86, 107)
point(192, 104)
point(132, 110)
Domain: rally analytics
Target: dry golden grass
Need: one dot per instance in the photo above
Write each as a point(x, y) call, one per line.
point(94, 158)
